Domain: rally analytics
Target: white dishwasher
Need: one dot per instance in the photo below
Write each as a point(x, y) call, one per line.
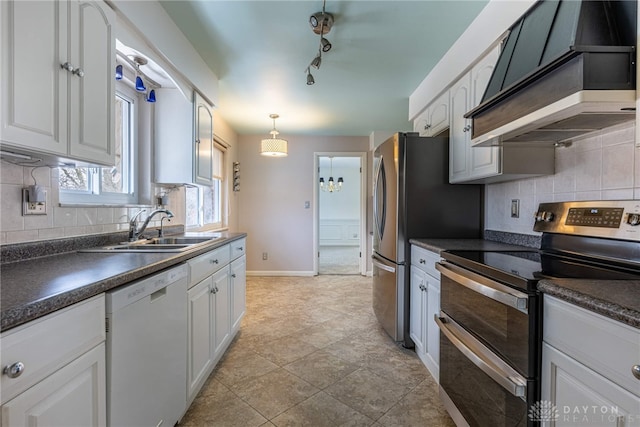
point(147, 351)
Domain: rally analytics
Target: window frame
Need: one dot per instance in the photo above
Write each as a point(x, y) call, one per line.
point(81, 197)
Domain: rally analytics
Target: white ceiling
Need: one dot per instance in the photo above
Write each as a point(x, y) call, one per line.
point(260, 50)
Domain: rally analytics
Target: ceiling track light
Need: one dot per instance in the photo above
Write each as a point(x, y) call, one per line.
point(321, 23)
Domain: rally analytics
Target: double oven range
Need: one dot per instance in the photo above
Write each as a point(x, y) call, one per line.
point(491, 311)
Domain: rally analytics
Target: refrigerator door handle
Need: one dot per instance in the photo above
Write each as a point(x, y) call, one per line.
point(380, 264)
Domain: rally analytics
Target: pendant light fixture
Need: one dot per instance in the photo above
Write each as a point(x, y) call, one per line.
point(274, 146)
point(331, 186)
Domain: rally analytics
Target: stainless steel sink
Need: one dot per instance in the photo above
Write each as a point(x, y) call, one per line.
point(179, 240)
point(158, 244)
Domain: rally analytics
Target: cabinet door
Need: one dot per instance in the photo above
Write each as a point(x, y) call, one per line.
point(34, 87)
point(222, 316)
point(238, 291)
point(173, 143)
point(484, 161)
point(203, 142)
point(583, 397)
point(92, 91)
point(417, 313)
point(72, 396)
point(459, 131)
point(433, 333)
point(200, 339)
point(439, 115)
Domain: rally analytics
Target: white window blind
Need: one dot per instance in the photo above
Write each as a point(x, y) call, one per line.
point(218, 161)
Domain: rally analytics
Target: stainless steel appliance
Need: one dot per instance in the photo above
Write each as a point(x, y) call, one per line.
point(146, 350)
point(413, 199)
point(491, 312)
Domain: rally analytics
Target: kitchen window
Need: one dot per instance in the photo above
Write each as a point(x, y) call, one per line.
point(204, 204)
point(108, 185)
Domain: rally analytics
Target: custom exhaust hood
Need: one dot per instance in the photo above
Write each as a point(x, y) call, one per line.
point(567, 68)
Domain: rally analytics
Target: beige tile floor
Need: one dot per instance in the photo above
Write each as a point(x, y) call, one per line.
point(310, 353)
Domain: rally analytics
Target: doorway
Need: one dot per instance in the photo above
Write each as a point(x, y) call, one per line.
point(340, 215)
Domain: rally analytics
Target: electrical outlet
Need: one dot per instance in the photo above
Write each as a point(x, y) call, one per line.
point(515, 208)
point(265, 256)
point(32, 208)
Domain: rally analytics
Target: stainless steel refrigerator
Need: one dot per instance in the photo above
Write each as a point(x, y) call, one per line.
point(413, 199)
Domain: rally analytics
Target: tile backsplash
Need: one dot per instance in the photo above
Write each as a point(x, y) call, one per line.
point(59, 221)
point(603, 166)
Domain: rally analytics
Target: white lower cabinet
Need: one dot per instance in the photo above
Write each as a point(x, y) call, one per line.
point(424, 306)
point(238, 291)
point(586, 368)
point(63, 381)
point(72, 396)
point(201, 335)
point(216, 307)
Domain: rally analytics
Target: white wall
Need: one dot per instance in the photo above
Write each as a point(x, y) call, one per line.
point(272, 198)
point(605, 166)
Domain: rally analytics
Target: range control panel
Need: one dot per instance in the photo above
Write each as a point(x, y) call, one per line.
point(618, 219)
point(595, 217)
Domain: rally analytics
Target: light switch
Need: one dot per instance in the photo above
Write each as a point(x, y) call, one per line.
point(515, 208)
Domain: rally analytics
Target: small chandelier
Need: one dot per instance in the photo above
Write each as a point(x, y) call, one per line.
point(331, 186)
point(273, 147)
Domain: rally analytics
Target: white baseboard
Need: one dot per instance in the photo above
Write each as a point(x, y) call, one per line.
point(280, 273)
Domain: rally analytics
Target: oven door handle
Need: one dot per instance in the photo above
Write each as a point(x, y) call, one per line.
point(487, 287)
point(482, 357)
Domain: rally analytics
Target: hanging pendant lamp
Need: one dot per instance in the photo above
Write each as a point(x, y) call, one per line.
point(331, 186)
point(274, 146)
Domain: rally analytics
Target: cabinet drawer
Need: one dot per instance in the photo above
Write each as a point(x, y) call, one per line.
point(207, 264)
point(608, 347)
point(425, 260)
point(238, 248)
point(46, 344)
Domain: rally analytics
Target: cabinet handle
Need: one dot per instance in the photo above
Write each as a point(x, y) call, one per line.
point(234, 275)
point(67, 66)
point(240, 248)
point(422, 261)
point(467, 128)
point(13, 371)
point(635, 370)
point(78, 72)
point(197, 141)
point(212, 290)
point(427, 126)
point(213, 261)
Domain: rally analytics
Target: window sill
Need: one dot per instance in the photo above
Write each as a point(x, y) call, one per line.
point(100, 205)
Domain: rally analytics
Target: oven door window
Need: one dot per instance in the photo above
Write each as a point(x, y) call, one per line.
point(500, 326)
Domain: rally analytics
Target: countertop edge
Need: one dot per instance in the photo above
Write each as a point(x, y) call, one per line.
point(608, 309)
point(18, 315)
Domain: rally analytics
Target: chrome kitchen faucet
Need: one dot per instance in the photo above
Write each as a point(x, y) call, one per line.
point(135, 232)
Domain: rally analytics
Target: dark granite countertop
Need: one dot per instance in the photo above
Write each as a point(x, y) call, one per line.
point(617, 299)
point(35, 287)
point(439, 245)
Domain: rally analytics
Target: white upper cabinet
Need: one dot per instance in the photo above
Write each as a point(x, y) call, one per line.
point(474, 165)
point(464, 162)
point(435, 118)
point(58, 88)
point(183, 139)
point(204, 141)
